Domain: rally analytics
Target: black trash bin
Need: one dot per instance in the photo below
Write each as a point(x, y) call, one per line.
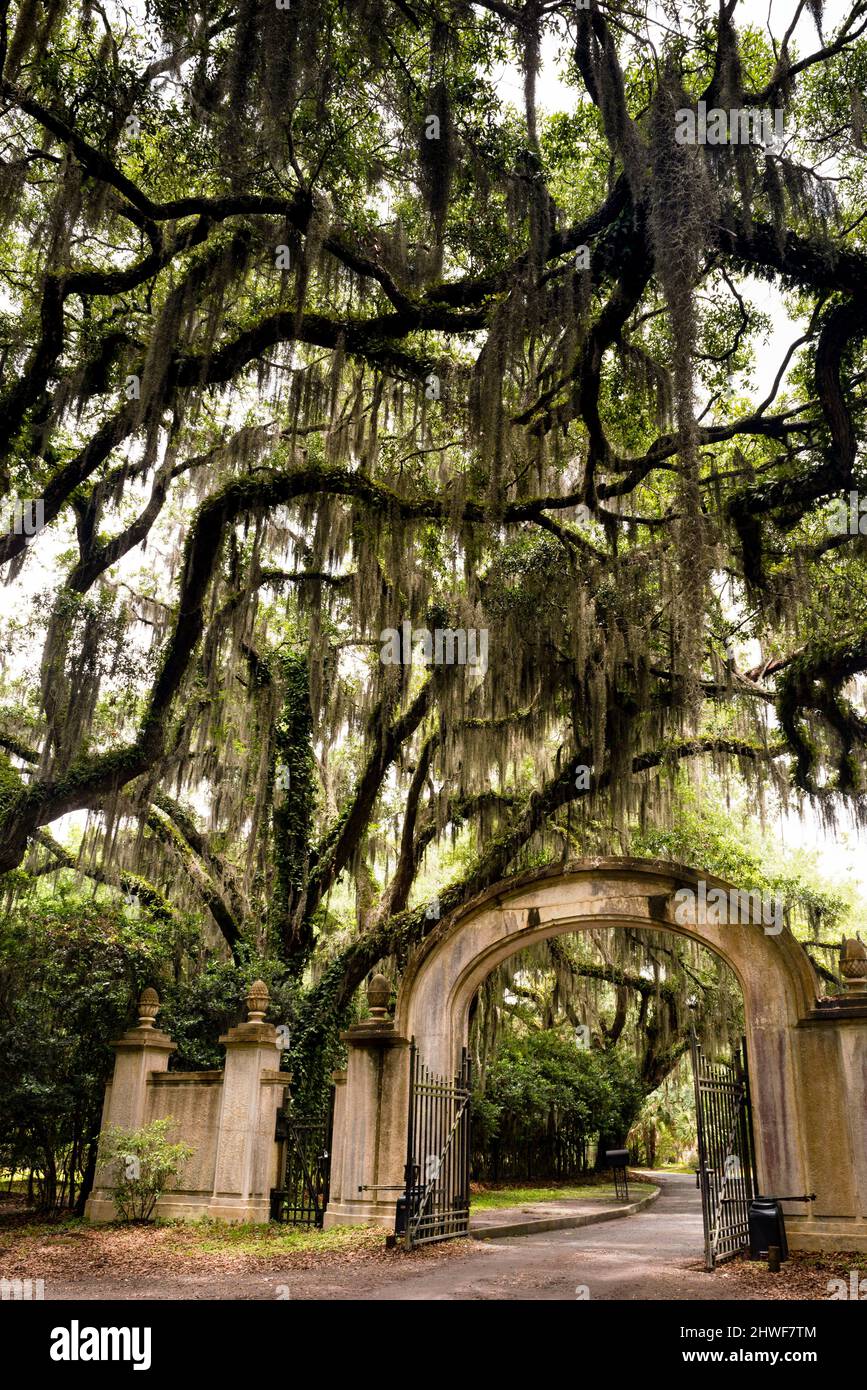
point(767, 1227)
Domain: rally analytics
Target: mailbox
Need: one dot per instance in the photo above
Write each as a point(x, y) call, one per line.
point(617, 1160)
point(767, 1227)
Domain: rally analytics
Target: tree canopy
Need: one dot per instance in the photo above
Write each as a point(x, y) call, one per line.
point(307, 333)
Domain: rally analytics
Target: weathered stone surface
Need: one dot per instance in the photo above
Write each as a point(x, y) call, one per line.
point(370, 1152)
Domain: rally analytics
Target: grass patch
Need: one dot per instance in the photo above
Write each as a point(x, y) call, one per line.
point(522, 1196)
point(271, 1240)
point(58, 1228)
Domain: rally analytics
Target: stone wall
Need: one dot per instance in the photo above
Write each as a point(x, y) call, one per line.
point(227, 1117)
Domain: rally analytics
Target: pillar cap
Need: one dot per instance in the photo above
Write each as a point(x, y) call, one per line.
point(148, 1007)
point(257, 1001)
point(252, 1035)
point(374, 1032)
point(378, 995)
point(144, 1034)
point(255, 1032)
point(853, 964)
point(149, 1038)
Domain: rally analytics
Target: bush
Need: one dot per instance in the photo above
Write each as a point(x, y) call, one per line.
point(72, 966)
point(542, 1089)
point(71, 969)
point(145, 1163)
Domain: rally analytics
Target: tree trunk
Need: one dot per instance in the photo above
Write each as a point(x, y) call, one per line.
point(651, 1146)
point(88, 1176)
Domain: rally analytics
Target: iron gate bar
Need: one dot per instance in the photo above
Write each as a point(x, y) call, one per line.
point(722, 1198)
point(726, 1153)
point(436, 1195)
point(304, 1168)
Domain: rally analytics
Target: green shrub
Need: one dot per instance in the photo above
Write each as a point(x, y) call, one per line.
point(145, 1162)
point(71, 969)
point(543, 1084)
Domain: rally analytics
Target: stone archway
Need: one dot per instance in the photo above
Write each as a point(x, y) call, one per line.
point(808, 1064)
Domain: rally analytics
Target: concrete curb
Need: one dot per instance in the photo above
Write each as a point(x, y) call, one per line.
point(562, 1223)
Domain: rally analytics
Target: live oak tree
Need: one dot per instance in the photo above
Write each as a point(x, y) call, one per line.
point(307, 332)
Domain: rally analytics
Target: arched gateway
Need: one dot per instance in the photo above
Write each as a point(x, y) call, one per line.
point(808, 1062)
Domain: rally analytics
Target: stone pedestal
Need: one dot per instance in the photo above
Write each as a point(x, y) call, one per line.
point(369, 1146)
point(243, 1176)
point(139, 1053)
point(831, 1051)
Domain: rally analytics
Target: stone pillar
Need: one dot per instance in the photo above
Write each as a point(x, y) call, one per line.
point(831, 1049)
point(370, 1121)
point(338, 1127)
point(244, 1168)
point(141, 1051)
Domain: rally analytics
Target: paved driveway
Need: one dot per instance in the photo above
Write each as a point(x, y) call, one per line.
point(656, 1254)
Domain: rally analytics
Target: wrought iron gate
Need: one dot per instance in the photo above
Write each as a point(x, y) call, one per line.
point(303, 1170)
point(726, 1171)
point(436, 1201)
